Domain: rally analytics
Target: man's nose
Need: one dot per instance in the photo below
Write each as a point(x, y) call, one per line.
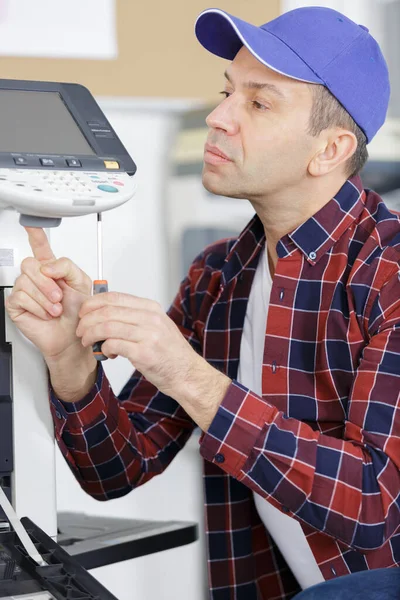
point(224, 117)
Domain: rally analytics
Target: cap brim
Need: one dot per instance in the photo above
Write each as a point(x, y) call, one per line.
point(224, 35)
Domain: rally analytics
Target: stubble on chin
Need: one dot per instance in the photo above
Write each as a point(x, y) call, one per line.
point(212, 183)
point(220, 186)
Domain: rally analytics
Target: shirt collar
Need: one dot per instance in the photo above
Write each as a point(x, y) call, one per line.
point(313, 238)
point(318, 234)
point(244, 250)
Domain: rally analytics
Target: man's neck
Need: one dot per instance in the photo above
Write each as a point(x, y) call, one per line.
point(283, 212)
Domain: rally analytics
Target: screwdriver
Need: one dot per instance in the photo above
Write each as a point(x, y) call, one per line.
point(100, 285)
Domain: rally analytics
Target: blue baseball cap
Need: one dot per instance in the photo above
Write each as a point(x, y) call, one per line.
point(315, 45)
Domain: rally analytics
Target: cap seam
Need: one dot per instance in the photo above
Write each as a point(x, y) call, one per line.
point(363, 32)
point(294, 52)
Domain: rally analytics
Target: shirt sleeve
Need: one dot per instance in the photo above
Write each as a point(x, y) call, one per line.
point(348, 488)
point(113, 444)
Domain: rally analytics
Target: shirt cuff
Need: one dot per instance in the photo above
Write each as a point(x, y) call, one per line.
point(76, 415)
point(235, 428)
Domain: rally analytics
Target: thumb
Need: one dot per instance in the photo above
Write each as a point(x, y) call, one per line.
point(64, 268)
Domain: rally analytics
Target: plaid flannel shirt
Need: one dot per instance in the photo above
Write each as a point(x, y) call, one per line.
point(322, 444)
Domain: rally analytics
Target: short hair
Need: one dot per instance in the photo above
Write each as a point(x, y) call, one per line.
point(327, 112)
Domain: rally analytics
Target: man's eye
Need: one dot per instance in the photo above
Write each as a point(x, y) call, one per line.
point(259, 106)
point(226, 94)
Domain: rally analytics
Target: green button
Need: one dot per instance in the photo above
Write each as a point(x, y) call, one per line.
point(108, 188)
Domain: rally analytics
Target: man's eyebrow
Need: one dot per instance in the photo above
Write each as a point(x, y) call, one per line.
point(255, 85)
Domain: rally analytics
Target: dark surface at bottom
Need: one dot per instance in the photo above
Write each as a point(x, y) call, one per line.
point(98, 541)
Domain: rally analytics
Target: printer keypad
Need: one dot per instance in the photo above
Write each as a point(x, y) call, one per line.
point(83, 183)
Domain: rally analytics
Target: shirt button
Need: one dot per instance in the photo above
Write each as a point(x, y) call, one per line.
point(274, 367)
point(58, 415)
point(312, 255)
point(219, 458)
point(281, 295)
point(334, 571)
point(285, 509)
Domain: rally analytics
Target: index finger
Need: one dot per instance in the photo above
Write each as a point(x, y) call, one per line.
point(118, 299)
point(40, 244)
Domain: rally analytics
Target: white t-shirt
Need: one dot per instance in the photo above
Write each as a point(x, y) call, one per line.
point(287, 532)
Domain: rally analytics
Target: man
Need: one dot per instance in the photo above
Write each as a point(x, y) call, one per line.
point(282, 346)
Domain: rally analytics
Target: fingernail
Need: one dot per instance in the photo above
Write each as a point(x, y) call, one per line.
point(48, 269)
point(55, 309)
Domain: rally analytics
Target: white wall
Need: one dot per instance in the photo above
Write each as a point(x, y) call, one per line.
point(360, 11)
point(135, 258)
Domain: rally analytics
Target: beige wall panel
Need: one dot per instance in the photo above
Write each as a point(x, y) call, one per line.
point(158, 52)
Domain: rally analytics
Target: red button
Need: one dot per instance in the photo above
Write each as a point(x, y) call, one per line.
point(118, 183)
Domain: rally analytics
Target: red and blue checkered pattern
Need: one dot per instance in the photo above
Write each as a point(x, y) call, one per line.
point(322, 444)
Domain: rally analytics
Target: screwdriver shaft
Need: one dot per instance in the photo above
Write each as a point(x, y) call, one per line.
point(99, 246)
point(99, 285)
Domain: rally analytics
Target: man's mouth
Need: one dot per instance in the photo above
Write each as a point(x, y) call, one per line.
point(213, 155)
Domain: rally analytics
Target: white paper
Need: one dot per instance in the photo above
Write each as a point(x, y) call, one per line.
point(58, 29)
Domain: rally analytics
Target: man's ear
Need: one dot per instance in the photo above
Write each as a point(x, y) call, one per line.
point(337, 146)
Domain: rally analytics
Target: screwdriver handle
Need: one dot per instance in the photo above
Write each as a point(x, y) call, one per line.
point(99, 286)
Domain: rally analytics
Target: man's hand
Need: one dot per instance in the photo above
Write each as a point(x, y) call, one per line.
point(44, 305)
point(139, 330)
point(46, 298)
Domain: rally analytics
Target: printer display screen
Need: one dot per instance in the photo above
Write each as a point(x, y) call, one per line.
point(39, 123)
